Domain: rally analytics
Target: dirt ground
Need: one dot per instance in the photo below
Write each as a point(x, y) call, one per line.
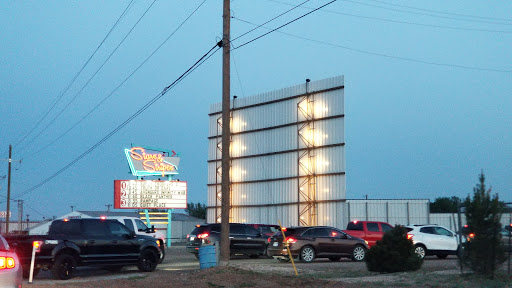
point(181, 269)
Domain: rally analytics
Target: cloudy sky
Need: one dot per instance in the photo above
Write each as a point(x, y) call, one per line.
point(427, 89)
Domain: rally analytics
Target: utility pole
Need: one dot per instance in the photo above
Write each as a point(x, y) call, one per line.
point(8, 192)
point(108, 207)
point(20, 214)
point(224, 223)
point(72, 207)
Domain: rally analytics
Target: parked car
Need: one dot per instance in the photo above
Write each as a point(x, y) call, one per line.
point(371, 231)
point(11, 274)
point(86, 242)
point(136, 225)
point(433, 240)
point(244, 239)
point(309, 243)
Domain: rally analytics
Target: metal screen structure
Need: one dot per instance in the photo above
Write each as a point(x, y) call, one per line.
point(287, 156)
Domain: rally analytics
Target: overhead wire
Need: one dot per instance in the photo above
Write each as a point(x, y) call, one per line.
point(427, 14)
point(120, 85)
point(88, 81)
point(295, 7)
point(275, 29)
point(386, 55)
point(133, 116)
point(399, 21)
point(444, 12)
point(76, 75)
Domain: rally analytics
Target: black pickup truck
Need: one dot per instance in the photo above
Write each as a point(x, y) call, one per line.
point(85, 242)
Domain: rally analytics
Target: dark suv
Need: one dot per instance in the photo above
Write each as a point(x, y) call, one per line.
point(244, 239)
point(308, 243)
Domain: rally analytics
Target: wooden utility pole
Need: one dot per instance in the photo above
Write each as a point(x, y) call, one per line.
point(8, 192)
point(224, 222)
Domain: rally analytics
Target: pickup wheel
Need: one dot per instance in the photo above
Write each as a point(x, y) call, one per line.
point(147, 261)
point(63, 266)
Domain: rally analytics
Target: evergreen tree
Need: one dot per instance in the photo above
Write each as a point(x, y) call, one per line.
point(445, 205)
point(197, 210)
point(483, 213)
point(394, 253)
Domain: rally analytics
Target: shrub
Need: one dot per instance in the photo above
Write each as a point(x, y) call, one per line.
point(394, 253)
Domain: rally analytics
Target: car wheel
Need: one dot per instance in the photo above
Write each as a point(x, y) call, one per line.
point(147, 261)
point(254, 256)
point(162, 250)
point(284, 260)
point(442, 256)
point(63, 266)
point(335, 258)
point(359, 253)
point(307, 254)
point(420, 251)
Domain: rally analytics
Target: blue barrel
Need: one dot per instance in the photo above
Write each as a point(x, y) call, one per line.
point(207, 257)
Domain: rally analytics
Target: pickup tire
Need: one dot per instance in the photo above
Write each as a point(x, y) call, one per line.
point(148, 261)
point(63, 266)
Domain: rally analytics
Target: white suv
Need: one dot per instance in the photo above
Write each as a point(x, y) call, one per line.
point(433, 240)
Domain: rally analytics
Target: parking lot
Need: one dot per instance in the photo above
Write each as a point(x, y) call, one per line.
point(181, 269)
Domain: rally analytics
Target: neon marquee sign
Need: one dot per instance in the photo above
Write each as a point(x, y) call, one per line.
point(146, 164)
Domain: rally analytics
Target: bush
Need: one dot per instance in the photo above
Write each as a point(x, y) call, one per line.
point(394, 253)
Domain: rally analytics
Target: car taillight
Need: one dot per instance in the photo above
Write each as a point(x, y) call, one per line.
point(7, 263)
point(202, 236)
point(291, 240)
point(409, 236)
point(188, 235)
point(269, 239)
point(37, 245)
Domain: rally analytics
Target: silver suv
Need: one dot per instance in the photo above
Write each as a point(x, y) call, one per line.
point(433, 240)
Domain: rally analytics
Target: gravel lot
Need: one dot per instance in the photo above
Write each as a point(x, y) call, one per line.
point(181, 269)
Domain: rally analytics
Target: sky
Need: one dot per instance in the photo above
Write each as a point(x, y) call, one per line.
point(427, 90)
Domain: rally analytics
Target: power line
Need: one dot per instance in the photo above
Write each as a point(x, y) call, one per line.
point(443, 12)
point(88, 81)
point(283, 25)
point(400, 22)
point(427, 14)
point(146, 106)
point(386, 55)
point(121, 84)
point(76, 75)
point(295, 6)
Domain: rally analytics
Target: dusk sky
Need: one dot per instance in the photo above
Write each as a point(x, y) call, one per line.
point(428, 101)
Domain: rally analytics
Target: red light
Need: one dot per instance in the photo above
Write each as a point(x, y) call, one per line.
point(188, 235)
point(284, 228)
point(7, 263)
point(202, 236)
point(268, 240)
point(291, 240)
point(409, 236)
point(471, 235)
point(37, 245)
point(355, 221)
point(103, 217)
point(66, 219)
point(334, 234)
